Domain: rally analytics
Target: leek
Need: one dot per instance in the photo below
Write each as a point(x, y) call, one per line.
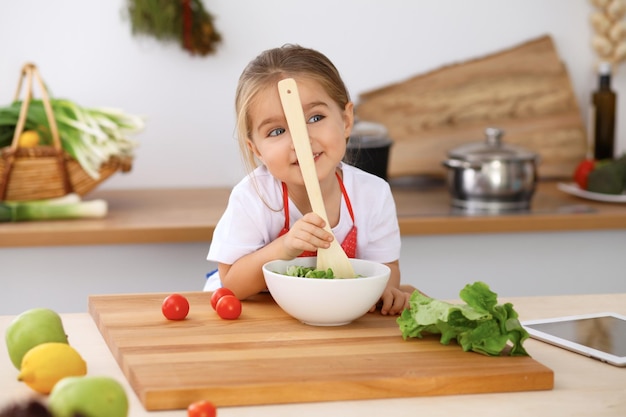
point(66, 207)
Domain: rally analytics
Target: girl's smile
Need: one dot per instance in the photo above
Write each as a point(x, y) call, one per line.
point(315, 157)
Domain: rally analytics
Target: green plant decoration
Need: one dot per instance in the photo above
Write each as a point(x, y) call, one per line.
point(184, 21)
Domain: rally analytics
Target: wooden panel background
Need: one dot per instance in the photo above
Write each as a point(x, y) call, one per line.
point(524, 90)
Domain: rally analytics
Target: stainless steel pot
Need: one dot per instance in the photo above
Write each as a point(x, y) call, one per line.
point(491, 176)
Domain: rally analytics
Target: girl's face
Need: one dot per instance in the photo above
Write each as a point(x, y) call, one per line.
point(328, 126)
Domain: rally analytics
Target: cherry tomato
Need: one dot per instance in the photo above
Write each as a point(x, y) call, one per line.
point(219, 293)
point(582, 172)
point(175, 307)
point(228, 307)
point(201, 408)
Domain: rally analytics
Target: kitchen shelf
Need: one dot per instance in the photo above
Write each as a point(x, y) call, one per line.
point(190, 215)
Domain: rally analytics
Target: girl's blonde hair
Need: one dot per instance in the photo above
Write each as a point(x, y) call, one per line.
point(272, 66)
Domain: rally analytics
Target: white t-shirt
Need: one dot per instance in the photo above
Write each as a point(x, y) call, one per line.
point(254, 217)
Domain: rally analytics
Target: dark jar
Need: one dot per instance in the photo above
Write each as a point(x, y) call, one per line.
point(368, 148)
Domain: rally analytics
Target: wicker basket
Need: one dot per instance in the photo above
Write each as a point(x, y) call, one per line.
point(41, 172)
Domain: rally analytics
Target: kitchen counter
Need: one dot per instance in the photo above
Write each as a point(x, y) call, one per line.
point(574, 393)
point(190, 215)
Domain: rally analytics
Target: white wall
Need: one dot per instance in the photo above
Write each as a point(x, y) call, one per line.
point(85, 52)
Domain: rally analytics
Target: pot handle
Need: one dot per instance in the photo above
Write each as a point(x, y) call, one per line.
point(455, 163)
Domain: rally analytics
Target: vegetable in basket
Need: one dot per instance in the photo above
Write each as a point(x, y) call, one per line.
point(90, 135)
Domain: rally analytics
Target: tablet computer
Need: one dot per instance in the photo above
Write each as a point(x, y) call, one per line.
point(600, 336)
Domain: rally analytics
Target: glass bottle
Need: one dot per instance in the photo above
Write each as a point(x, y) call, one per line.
point(603, 110)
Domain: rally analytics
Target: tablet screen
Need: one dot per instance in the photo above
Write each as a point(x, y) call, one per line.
point(606, 334)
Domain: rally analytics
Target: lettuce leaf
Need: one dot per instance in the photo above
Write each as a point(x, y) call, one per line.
point(481, 325)
point(309, 272)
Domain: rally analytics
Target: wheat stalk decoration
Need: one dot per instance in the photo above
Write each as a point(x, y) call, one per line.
point(609, 40)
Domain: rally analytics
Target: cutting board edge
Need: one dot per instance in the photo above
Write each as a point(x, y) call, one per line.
point(106, 335)
point(160, 400)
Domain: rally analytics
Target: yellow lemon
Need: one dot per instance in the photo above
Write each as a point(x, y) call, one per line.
point(46, 364)
point(28, 139)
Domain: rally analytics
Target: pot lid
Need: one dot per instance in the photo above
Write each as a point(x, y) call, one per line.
point(492, 149)
point(368, 135)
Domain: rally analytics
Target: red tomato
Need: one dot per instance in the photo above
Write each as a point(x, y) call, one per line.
point(582, 172)
point(219, 293)
point(201, 408)
point(175, 307)
point(228, 307)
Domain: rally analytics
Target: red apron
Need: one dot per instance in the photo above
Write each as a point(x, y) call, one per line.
point(349, 243)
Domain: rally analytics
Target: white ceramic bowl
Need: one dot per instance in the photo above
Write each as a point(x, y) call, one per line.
point(326, 302)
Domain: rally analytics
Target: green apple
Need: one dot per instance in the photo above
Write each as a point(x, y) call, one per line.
point(31, 328)
point(88, 396)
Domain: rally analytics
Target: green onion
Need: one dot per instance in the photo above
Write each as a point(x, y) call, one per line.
point(67, 207)
point(90, 135)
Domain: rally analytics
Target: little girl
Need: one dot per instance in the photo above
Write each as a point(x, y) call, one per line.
point(268, 216)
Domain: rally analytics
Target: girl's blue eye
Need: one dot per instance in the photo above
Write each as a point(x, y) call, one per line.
point(315, 118)
point(276, 132)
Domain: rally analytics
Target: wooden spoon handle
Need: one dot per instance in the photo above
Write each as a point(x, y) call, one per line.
point(333, 257)
point(292, 107)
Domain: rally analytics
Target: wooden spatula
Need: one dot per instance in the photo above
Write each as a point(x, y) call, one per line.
point(334, 257)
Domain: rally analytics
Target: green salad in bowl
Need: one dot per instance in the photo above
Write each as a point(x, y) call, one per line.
point(309, 272)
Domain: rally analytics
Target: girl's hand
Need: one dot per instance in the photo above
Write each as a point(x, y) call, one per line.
point(393, 301)
point(306, 234)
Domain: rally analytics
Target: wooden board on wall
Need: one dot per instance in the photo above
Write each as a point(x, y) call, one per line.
point(524, 90)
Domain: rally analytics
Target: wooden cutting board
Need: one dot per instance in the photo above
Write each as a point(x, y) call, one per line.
point(267, 357)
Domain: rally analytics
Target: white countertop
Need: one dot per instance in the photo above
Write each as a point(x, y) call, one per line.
point(583, 386)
